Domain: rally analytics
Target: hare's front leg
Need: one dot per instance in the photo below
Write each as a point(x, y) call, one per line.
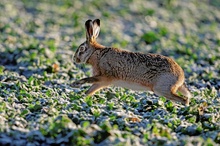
point(95, 87)
point(79, 83)
point(99, 82)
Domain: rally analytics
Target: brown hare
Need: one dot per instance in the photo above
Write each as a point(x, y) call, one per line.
point(137, 71)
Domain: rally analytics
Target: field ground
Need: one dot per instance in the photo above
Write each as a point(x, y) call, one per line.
point(38, 106)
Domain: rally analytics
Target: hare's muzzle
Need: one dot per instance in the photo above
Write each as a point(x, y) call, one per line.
point(75, 59)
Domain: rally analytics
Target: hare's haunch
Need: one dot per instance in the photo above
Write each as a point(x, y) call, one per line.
point(137, 71)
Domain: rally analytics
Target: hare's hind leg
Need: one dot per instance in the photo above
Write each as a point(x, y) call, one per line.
point(167, 85)
point(170, 93)
point(183, 99)
point(184, 91)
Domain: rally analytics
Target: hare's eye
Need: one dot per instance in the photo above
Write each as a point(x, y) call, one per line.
point(82, 49)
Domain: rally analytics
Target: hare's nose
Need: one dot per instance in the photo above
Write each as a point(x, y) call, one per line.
point(73, 58)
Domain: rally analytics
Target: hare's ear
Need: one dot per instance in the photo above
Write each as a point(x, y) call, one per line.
point(89, 29)
point(96, 28)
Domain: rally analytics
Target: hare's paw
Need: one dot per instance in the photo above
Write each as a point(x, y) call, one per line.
point(76, 84)
point(187, 102)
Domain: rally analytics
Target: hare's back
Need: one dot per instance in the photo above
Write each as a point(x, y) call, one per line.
point(115, 62)
point(115, 58)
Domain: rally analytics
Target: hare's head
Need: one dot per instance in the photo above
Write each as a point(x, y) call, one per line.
point(86, 49)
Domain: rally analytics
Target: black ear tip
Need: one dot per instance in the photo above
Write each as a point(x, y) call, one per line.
point(88, 21)
point(96, 21)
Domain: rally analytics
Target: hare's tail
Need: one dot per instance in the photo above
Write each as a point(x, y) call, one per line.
point(185, 91)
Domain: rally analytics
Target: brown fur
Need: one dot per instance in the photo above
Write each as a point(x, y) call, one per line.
point(113, 66)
